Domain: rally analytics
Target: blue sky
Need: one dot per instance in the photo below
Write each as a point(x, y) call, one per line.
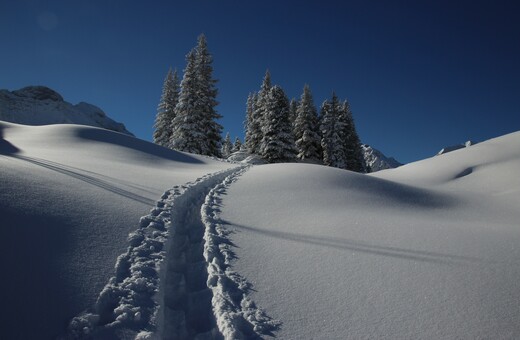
point(419, 75)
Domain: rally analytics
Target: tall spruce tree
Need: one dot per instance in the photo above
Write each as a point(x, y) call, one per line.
point(259, 114)
point(306, 129)
point(278, 140)
point(249, 125)
point(188, 133)
point(166, 109)
point(332, 129)
point(207, 93)
point(226, 146)
point(195, 127)
point(353, 150)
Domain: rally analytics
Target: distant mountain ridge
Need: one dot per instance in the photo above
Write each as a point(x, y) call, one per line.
point(376, 160)
point(40, 105)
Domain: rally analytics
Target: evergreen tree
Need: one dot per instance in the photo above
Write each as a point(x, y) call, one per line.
point(188, 130)
point(195, 128)
point(226, 146)
point(207, 94)
point(278, 140)
point(166, 109)
point(293, 107)
point(306, 128)
point(353, 150)
point(259, 115)
point(237, 146)
point(249, 124)
point(332, 129)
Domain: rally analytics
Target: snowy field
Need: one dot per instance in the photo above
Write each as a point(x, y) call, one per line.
point(290, 251)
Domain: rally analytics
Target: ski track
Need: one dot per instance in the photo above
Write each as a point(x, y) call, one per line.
point(175, 281)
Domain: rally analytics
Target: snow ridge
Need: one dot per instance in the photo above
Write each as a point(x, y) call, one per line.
point(159, 288)
point(236, 314)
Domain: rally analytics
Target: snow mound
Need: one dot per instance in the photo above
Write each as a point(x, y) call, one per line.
point(40, 105)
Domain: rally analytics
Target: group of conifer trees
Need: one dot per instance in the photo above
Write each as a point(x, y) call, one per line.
point(277, 130)
point(186, 117)
point(283, 131)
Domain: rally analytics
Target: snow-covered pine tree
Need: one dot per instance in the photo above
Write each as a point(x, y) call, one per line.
point(306, 128)
point(188, 133)
point(237, 146)
point(226, 146)
point(278, 140)
point(166, 109)
point(259, 114)
point(206, 101)
point(353, 150)
point(249, 124)
point(332, 128)
point(293, 106)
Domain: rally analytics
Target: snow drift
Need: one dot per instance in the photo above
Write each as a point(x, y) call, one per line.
point(107, 236)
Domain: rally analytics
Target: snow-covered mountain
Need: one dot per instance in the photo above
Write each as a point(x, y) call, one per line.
point(376, 160)
point(119, 238)
point(39, 105)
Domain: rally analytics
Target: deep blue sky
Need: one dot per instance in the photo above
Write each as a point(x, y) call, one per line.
point(419, 74)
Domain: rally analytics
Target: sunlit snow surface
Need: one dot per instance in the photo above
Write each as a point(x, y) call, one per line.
point(426, 251)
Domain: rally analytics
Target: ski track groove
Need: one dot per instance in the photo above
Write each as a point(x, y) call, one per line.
point(174, 281)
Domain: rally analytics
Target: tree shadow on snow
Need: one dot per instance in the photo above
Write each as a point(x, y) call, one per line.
point(363, 247)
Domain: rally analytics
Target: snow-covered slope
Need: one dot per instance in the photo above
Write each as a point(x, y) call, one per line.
point(39, 105)
point(69, 197)
point(425, 251)
point(376, 160)
point(106, 236)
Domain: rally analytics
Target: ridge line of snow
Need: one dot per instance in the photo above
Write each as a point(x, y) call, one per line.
point(132, 299)
point(237, 316)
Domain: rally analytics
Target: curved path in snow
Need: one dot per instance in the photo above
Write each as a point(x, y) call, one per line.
point(175, 281)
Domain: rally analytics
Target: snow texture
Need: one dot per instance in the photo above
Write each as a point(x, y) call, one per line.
point(39, 105)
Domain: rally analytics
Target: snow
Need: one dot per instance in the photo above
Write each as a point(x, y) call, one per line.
point(70, 196)
point(429, 254)
point(107, 236)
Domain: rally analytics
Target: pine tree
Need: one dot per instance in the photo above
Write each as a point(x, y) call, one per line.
point(188, 130)
point(278, 140)
point(249, 124)
point(332, 129)
point(306, 128)
point(195, 128)
point(237, 146)
point(166, 109)
point(353, 150)
point(259, 115)
point(207, 93)
point(226, 146)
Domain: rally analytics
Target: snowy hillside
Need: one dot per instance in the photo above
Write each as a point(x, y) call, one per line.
point(39, 105)
point(107, 236)
point(376, 160)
